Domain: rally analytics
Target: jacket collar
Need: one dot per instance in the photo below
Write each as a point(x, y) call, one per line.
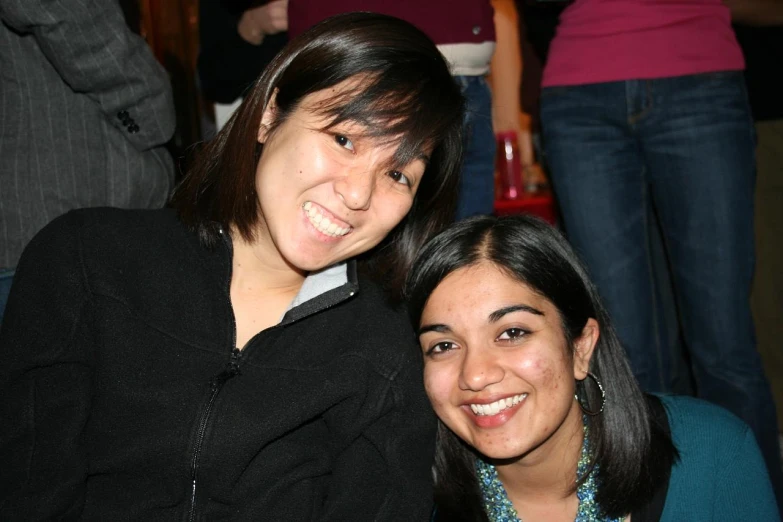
point(320, 282)
point(322, 290)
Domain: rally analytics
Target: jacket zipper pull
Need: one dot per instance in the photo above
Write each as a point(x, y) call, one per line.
point(231, 370)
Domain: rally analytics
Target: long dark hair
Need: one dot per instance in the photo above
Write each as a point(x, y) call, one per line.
point(626, 442)
point(406, 94)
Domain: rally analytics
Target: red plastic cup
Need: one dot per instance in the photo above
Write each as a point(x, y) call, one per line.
point(507, 164)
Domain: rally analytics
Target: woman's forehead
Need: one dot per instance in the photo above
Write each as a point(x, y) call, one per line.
point(337, 95)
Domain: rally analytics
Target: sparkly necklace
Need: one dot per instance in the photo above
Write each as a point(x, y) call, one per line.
point(498, 507)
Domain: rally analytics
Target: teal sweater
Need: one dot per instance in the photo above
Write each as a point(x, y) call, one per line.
point(720, 476)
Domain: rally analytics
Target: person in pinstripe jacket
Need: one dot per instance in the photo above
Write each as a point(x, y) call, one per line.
point(85, 110)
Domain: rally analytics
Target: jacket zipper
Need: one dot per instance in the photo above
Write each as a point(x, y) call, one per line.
point(219, 380)
point(216, 384)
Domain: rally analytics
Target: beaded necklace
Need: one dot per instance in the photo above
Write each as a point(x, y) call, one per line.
point(499, 508)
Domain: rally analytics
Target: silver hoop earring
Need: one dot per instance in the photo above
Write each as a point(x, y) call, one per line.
point(585, 410)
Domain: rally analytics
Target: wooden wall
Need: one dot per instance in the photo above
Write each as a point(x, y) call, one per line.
point(170, 27)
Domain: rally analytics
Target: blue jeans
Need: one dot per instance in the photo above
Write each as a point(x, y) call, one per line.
point(686, 144)
point(6, 278)
point(477, 185)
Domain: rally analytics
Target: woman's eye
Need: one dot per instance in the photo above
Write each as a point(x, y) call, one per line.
point(512, 333)
point(441, 347)
point(344, 141)
point(399, 177)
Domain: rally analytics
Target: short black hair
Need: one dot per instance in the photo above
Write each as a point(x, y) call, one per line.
point(630, 448)
point(407, 95)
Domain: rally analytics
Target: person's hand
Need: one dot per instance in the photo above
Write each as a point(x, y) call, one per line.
point(271, 18)
point(534, 178)
point(527, 155)
point(533, 175)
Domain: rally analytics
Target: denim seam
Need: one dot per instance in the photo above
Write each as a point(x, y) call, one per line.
point(636, 117)
point(651, 280)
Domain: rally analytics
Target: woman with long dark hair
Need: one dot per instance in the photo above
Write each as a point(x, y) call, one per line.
point(541, 418)
point(242, 356)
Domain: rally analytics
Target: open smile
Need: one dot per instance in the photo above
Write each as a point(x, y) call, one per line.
point(493, 408)
point(494, 414)
point(324, 223)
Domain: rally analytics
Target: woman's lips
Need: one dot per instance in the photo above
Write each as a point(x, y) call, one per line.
point(495, 413)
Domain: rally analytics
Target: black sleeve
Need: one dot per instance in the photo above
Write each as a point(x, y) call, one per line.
point(45, 380)
point(227, 64)
point(385, 475)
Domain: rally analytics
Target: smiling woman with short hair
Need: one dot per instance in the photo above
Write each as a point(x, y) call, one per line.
point(242, 356)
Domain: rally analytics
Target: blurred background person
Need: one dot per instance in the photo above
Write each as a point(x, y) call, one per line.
point(644, 101)
point(84, 113)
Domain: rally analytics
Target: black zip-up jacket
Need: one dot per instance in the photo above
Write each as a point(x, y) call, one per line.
point(122, 396)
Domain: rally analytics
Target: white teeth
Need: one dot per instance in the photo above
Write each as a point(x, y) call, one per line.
point(496, 407)
point(322, 223)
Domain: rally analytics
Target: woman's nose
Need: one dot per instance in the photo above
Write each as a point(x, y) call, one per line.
point(480, 368)
point(356, 188)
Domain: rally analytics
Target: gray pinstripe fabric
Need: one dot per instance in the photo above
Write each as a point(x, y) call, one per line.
point(67, 68)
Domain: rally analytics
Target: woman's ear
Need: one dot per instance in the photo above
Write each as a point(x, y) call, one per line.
point(583, 348)
point(268, 118)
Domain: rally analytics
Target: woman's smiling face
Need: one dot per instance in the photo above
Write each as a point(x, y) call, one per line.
point(328, 195)
point(498, 369)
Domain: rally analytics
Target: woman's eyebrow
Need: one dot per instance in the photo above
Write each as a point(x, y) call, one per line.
point(440, 328)
point(498, 314)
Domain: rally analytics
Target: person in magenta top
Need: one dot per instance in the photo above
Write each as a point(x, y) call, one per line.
point(644, 107)
point(460, 21)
